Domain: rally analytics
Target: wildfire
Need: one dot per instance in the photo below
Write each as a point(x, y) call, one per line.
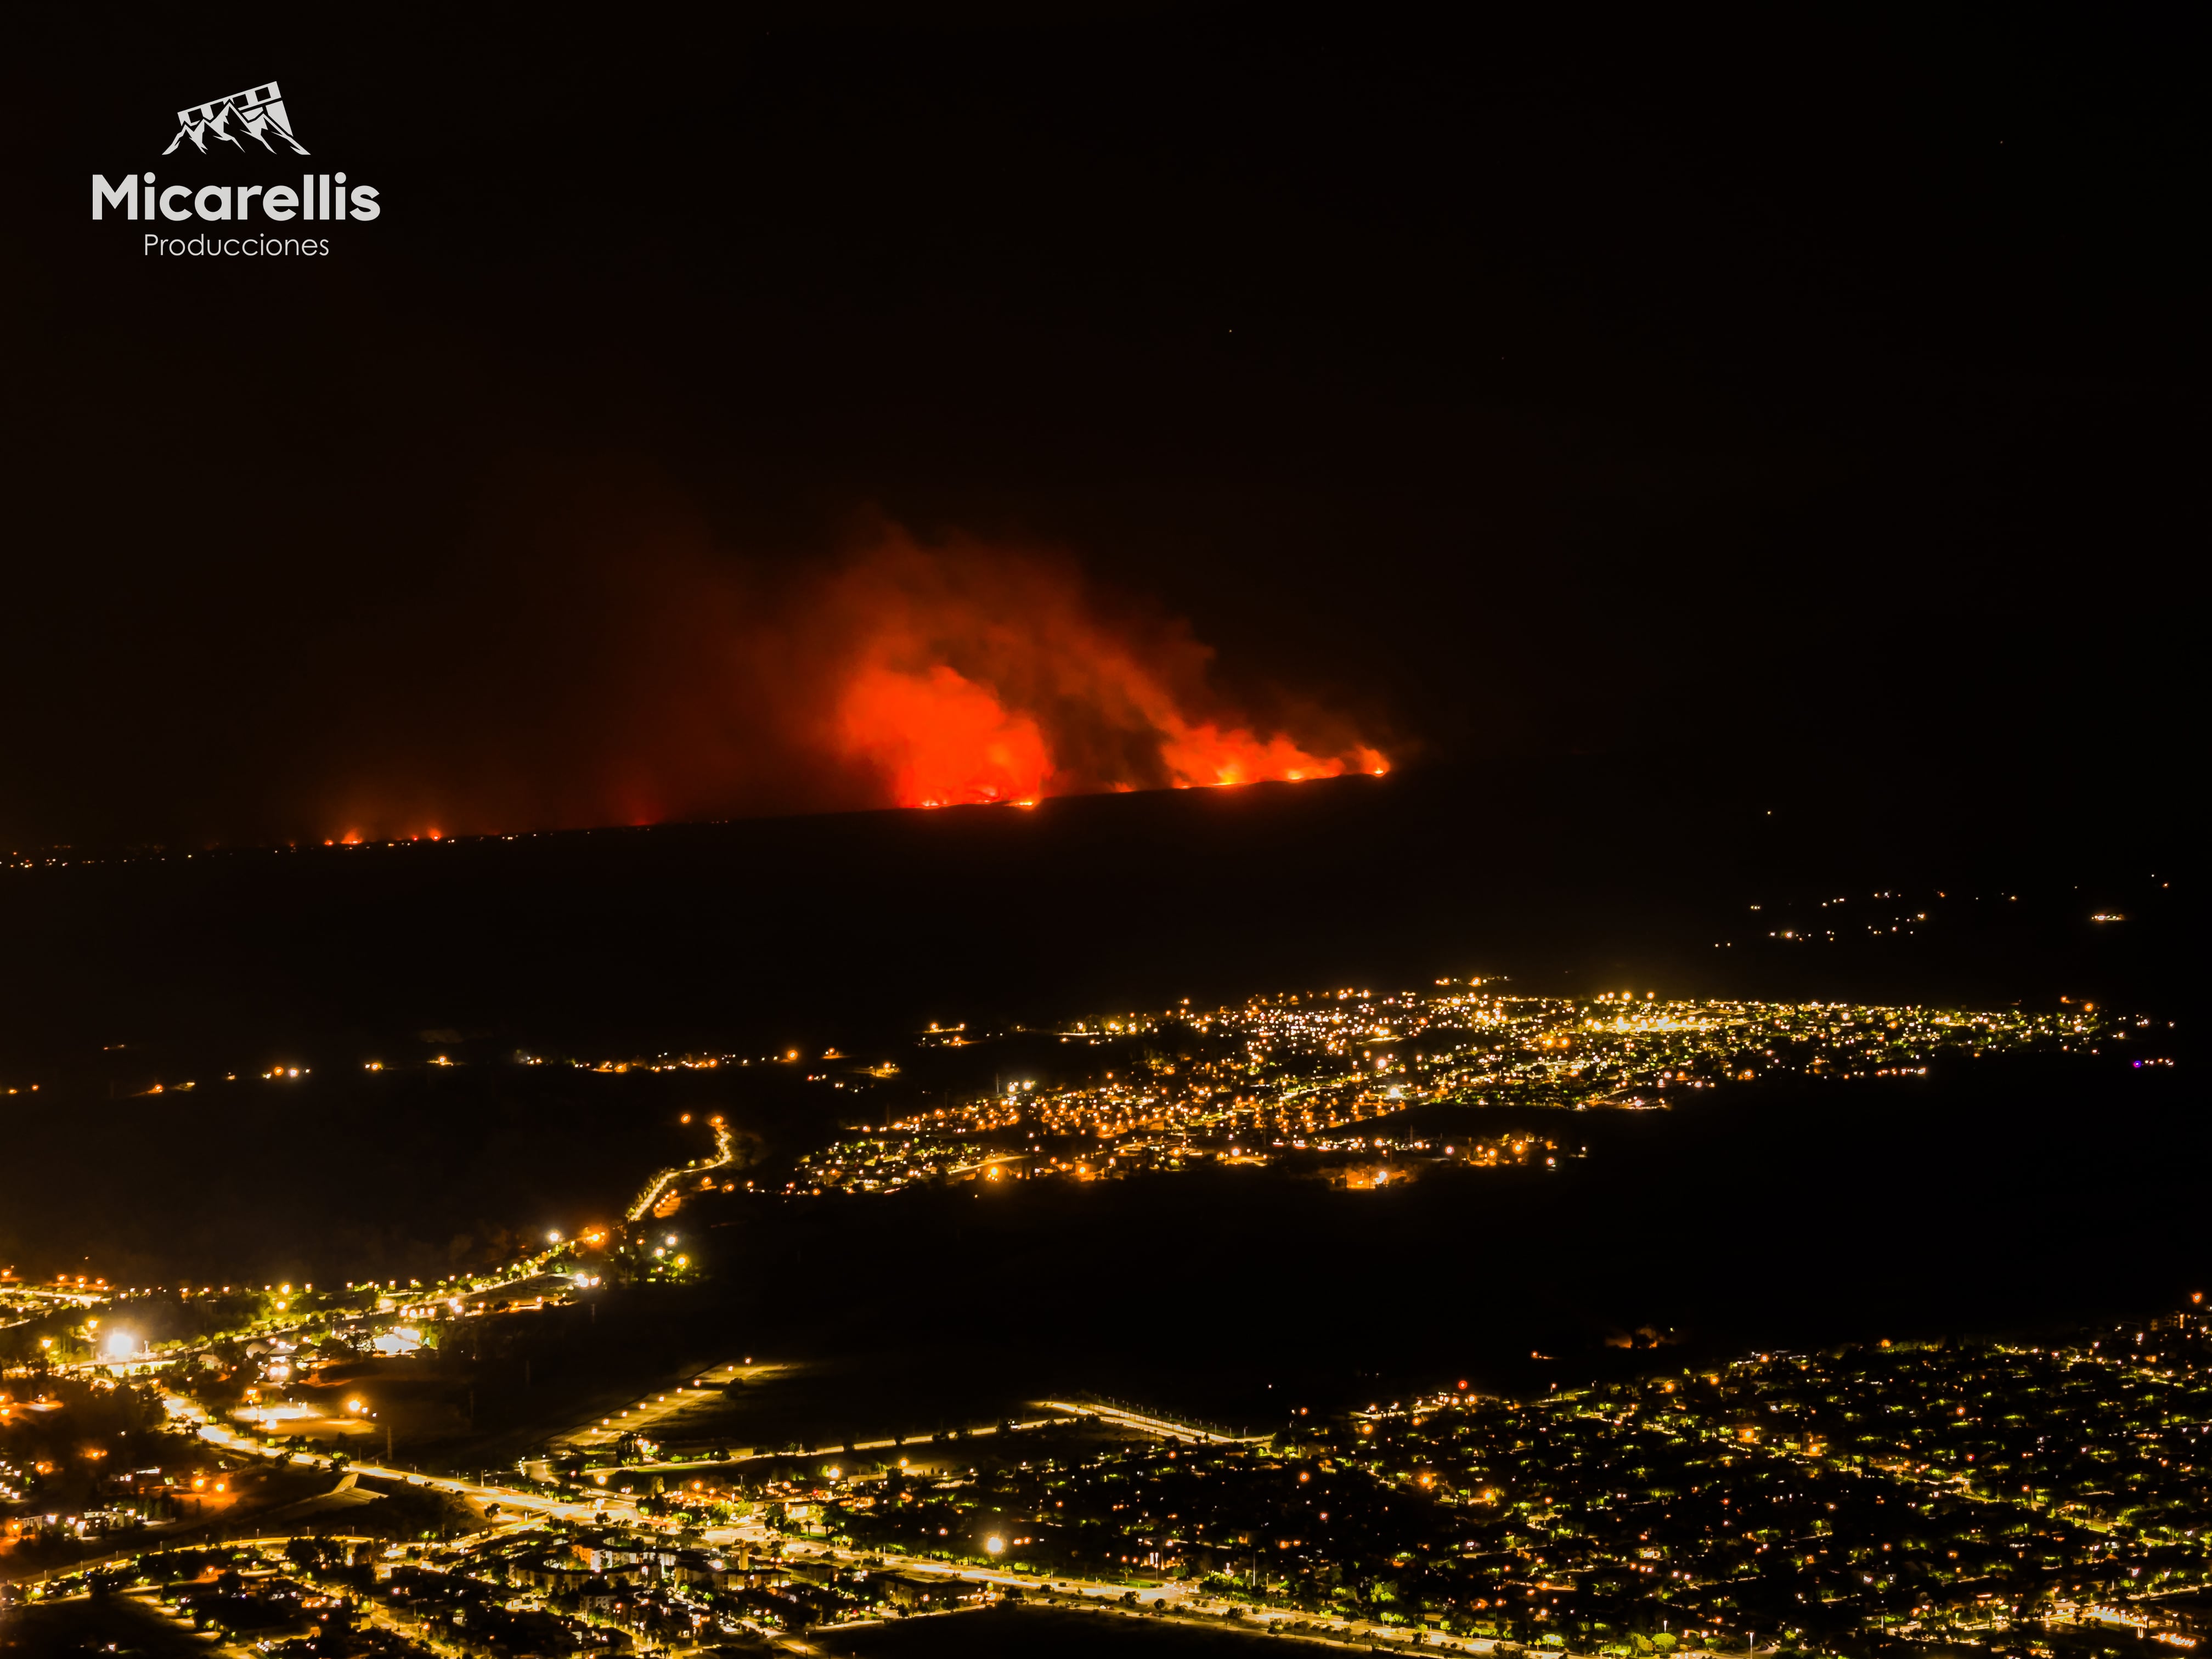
point(980, 675)
point(941, 740)
point(942, 672)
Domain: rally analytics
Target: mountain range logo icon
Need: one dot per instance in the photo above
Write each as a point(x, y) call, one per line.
point(256, 114)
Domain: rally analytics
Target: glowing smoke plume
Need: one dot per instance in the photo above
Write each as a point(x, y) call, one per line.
point(974, 675)
point(941, 740)
point(644, 676)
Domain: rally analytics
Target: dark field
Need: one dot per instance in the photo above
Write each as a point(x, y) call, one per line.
point(105, 1624)
point(755, 936)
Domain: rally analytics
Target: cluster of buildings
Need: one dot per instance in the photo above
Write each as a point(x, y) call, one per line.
point(85, 1457)
point(1298, 1072)
point(2005, 1494)
point(553, 1590)
point(680, 1590)
point(883, 1163)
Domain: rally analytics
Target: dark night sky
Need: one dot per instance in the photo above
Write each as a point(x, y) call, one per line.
point(1770, 395)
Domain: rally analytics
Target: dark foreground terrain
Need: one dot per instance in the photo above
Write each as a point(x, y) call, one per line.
point(99, 1624)
point(1991, 1194)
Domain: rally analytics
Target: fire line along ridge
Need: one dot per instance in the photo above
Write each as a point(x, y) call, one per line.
point(248, 123)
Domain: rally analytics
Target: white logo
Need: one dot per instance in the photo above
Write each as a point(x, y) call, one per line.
point(264, 215)
point(257, 113)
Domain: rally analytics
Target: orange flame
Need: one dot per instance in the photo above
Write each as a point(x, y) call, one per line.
point(941, 740)
point(911, 673)
point(977, 676)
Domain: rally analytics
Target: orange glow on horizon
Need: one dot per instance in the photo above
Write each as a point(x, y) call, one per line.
point(979, 677)
point(1206, 755)
point(911, 672)
point(943, 740)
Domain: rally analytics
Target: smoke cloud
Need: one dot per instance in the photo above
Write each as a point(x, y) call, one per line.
point(968, 673)
point(680, 684)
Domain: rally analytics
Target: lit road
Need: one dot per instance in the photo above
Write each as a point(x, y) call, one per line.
point(654, 1410)
point(527, 1504)
point(726, 1154)
point(1151, 1599)
point(613, 1508)
point(1159, 1427)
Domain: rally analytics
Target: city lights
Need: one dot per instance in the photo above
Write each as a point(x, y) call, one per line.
point(1296, 1074)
